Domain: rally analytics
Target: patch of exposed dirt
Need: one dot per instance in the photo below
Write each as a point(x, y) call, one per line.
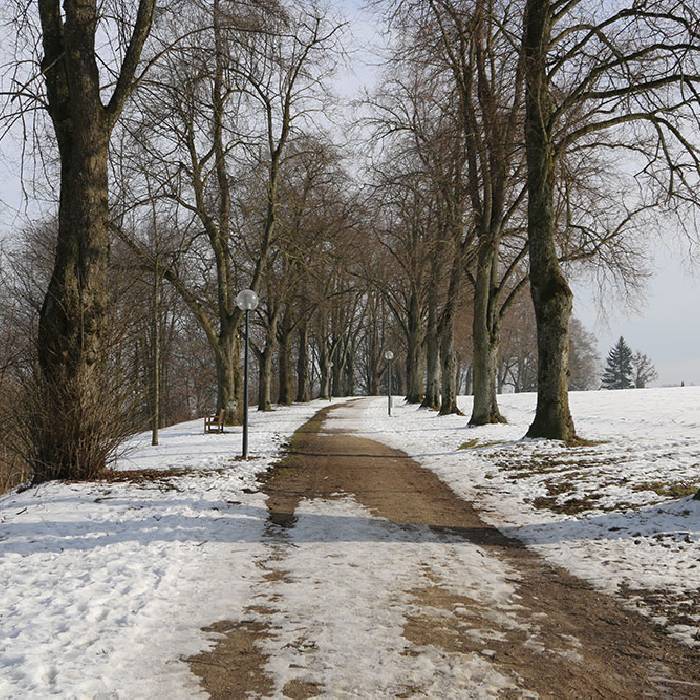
point(580, 643)
point(164, 479)
point(679, 608)
point(234, 669)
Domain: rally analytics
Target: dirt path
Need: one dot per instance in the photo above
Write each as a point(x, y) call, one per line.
point(586, 645)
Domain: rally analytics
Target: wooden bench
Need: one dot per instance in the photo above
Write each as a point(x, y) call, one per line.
point(214, 424)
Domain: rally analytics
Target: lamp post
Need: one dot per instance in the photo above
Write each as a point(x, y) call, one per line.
point(389, 356)
point(247, 300)
point(330, 381)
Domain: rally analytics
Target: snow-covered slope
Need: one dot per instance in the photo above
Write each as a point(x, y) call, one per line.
point(105, 586)
point(611, 513)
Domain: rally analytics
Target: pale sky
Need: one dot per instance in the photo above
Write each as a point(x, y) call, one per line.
point(665, 326)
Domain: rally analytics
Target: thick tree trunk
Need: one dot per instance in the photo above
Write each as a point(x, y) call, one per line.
point(432, 385)
point(350, 371)
point(284, 361)
point(71, 322)
point(265, 380)
point(485, 335)
point(228, 377)
point(414, 384)
point(551, 294)
point(303, 380)
point(323, 361)
point(265, 375)
point(337, 374)
point(448, 393)
point(156, 341)
point(78, 417)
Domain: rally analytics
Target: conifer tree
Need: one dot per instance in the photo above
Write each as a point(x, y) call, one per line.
point(618, 370)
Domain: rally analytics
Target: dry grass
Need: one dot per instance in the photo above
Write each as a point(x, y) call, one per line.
point(667, 489)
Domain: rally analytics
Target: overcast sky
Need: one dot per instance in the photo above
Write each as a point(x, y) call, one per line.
point(666, 324)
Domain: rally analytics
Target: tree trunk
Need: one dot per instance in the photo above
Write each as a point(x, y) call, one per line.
point(78, 420)
point(284, 360)
point(265, 380)
point(303, 383)
point(323, 361)
point(432, 386)
point(265, 376)
point(414, 384)
point(550, 291)
point(155, 389)
point(350, 370)
point(337, 373)
point(448, 393)
point(228, 377)
point(485, 334)
point(71, 322)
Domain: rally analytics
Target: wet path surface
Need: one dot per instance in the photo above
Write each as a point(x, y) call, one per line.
point(473, 613)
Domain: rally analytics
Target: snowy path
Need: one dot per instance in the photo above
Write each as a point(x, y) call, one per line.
point(381, 582)
point(619, 514)
point(353, 571)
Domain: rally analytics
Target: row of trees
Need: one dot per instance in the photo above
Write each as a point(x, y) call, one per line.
point(188, 137)
point(499, 131)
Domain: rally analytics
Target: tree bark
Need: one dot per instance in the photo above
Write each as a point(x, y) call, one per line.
point(303, 383)
point(155, 388)
point(448, 393)
point(323, 366)
point(228, 374)
point(432, 388)
point(265, 376)
point(350, 369)
point(414, 384)
point(72, 437)
point(485, 333)
point(284, 361)
point(550, 291)
point(265, 380)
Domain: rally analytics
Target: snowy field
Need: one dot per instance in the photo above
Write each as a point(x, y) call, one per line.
point(615, 513)
point(105, 586)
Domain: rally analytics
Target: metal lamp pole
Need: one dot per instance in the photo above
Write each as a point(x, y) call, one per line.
point(389, 356)
point(330, 381)
point(247, 300)
point(245, 389)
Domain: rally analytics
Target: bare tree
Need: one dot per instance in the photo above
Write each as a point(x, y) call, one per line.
point(618, 77)
point(74, 80)
point(643, 370)
point(222, 108)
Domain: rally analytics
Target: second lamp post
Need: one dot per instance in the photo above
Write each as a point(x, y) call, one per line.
point(247, 300)
point(389, 356)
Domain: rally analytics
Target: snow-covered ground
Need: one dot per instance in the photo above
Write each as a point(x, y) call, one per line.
point(105, 587)
point(345, 597)
point(612, 513)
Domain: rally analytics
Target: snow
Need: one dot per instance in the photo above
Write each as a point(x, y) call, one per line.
point(624, 537)
point(106, 586)
point(346, 594)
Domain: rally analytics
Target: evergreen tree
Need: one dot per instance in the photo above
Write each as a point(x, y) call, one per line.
point(618, 371)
